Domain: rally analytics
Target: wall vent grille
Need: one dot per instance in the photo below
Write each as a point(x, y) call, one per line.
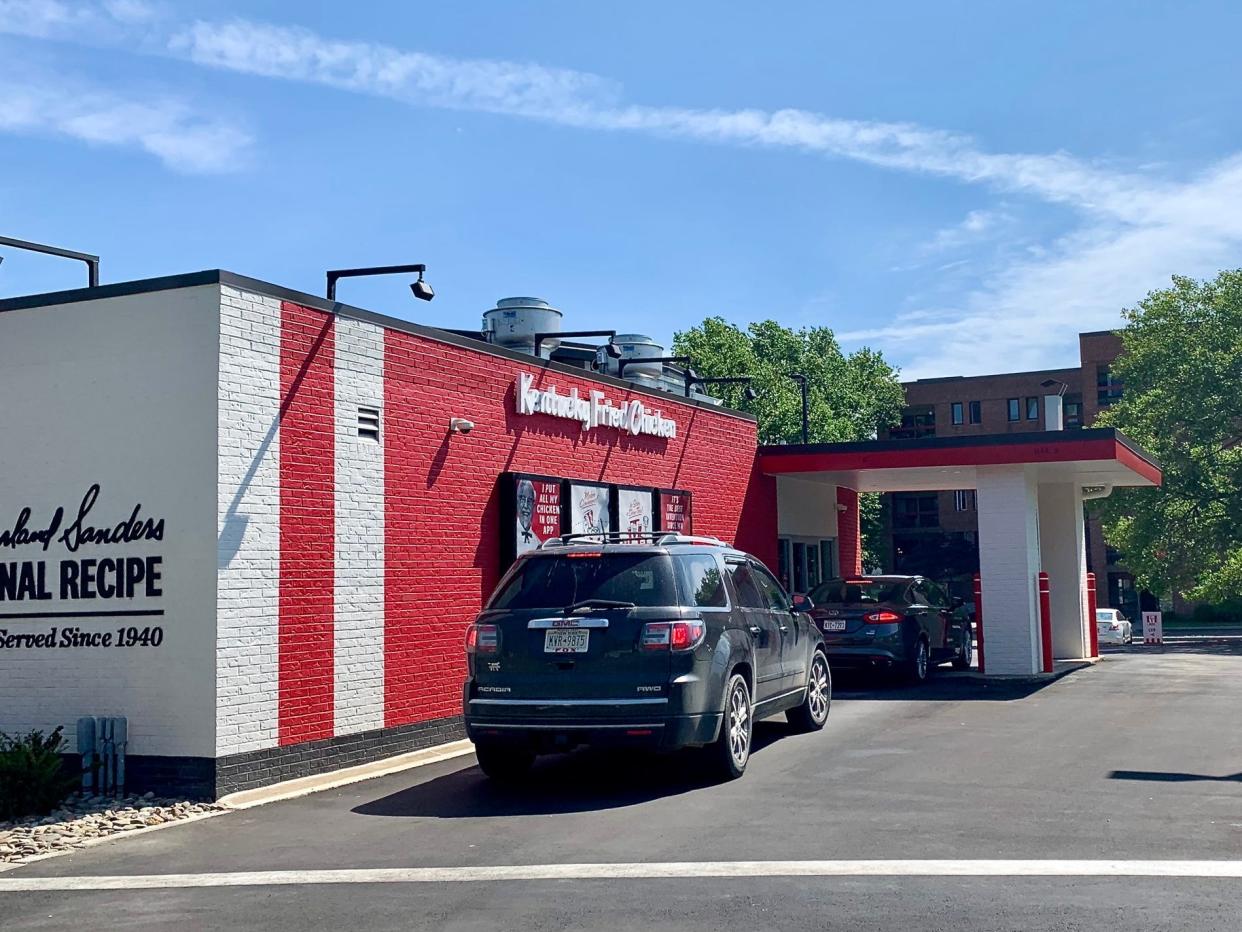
point(368, 423)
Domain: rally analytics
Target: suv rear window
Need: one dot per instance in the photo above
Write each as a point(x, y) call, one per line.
point(858, 591)
point(557, 580)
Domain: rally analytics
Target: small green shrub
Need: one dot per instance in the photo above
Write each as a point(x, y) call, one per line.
point(32, 777)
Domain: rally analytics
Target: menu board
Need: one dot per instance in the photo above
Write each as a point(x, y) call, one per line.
point(675, 512)
point(588, 508)
point(534, 512)
point(635, 511)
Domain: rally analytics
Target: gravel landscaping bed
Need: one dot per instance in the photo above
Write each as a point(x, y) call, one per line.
point(83, 818)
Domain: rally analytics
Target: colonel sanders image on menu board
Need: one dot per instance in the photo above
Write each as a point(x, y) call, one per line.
point(526, 539)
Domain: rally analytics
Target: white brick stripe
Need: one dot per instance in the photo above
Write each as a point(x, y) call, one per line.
point(248, 552)
point(359, 631)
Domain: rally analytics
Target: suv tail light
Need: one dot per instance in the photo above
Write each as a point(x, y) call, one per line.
point(672, 635)
point(881, 618)
point(482, 639)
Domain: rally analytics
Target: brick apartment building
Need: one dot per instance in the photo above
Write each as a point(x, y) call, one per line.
point(935, 533)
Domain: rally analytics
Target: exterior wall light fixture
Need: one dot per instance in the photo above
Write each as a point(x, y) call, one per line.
point(421, 289)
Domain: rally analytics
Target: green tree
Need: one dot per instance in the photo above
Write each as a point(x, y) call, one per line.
point(1181, 371)
point(848, 396)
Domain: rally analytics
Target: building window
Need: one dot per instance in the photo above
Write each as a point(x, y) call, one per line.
point(1015, 410)
point(916, 422)
point(1032, 409)
point(958, 415)
point(976, 412)
point(1073, 414)
point(784, 563)
point(804, 564)
point(964, 500)
point(911, 510)
point(1108, 388)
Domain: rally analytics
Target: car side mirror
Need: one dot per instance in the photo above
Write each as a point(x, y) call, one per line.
point(802, 603)
point(957, 601)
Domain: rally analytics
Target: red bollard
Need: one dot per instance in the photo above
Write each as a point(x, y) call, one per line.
point(1045, 619)
point(979, 620)
point(1091, 607)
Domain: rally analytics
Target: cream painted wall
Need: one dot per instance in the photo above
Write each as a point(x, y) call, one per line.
point(120, 393)
point(805, 509)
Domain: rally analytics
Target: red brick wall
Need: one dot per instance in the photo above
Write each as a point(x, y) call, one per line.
point(849, 533)
point(307, 485)
point(442, 513)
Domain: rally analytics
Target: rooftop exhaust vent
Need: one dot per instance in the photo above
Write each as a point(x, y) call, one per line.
point(636, 346)
point(513, 323)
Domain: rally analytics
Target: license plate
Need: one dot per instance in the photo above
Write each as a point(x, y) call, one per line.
point(562, 641)
point(834, 624)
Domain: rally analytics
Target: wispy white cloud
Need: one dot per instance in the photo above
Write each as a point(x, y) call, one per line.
point(1023, 315)
point(37, 100)
point(167, 128)
point(92, 23)
point(976, 225)
point(1132, 227)
point(413, 77)
point(590, 101)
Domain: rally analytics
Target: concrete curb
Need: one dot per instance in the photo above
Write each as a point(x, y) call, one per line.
point(290, 789)
point(303, 786)
point(1061, 668)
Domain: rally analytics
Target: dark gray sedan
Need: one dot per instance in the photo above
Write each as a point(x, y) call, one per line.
point(907, 624)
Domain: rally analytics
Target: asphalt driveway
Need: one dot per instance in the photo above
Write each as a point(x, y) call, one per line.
point(1136, 760)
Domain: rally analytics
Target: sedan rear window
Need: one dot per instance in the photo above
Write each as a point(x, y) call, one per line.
point(857, 592)
point(559, 580)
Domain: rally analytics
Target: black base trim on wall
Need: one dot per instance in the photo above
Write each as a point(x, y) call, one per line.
point(182, 777)
point(211, 778)
point(273, 765)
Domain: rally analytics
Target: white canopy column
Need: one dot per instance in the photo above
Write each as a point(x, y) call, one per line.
point(1008, 503)
point(1063, 553)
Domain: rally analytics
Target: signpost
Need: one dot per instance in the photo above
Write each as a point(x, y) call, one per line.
point(1153, 628)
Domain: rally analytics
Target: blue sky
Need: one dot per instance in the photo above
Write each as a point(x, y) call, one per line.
point(962, 185)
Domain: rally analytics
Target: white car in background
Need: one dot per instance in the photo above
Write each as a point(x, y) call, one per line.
point(1113, 627)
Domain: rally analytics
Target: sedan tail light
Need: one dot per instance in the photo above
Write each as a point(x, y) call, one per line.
point(672, 635)
point(881, 618)
point(482, 639)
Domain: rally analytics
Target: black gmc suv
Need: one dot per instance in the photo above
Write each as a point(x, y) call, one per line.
point(665, 642)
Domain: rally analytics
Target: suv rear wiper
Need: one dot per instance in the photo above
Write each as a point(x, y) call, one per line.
point(597, 603)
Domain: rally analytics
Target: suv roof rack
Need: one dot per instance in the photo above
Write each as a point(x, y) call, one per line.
point(658, 538)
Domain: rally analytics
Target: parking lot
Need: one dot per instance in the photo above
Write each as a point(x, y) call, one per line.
point(1135, 760)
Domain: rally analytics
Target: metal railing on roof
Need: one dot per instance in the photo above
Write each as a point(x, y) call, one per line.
point(658, 538)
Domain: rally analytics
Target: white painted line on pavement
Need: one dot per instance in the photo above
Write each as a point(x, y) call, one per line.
point(637, 871)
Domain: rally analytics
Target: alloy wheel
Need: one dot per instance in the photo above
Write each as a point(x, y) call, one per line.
point(739, 725)
point(818, 697)
point(920, 661)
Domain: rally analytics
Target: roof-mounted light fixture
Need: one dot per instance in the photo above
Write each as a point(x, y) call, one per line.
point(749, 394)
point(802, 381)
point(421, 289)
point(610, 348)
point(92, 262)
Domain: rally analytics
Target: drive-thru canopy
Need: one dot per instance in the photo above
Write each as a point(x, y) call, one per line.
point(1030, 489)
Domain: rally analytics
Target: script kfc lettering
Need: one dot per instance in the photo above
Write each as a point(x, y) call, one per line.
point(595, 411)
